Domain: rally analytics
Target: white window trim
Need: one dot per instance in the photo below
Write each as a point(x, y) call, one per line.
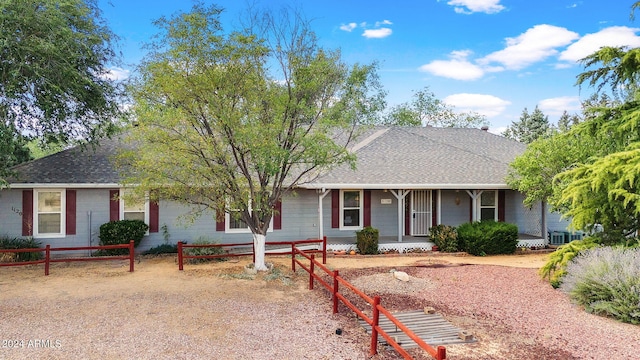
point(63, 214)
point(494, 207)
point(247, 230)
point(342, 208)
point(146, 207)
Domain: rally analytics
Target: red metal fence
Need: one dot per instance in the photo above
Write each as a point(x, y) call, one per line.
point(439, 353)
point(227, 253)
point(48, 260)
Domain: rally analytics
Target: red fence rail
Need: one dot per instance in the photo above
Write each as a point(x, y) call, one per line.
point(438, 353)
point(48, 260)
point(182, 246)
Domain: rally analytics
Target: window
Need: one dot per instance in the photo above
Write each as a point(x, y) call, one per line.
point(489, 205)
point(132, 208)
point(49, 214)
point(237, 225)
point(351, 209)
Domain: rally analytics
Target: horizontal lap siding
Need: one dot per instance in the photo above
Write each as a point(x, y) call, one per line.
point(453, 214)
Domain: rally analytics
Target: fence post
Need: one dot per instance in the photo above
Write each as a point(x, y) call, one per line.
point(324, 250)
point(131, 255)
point(47, 258)
point(180, 267)
point(442, 353)
point(293, 257)
point(375, 322)
point(311, 271)
point(335, 291)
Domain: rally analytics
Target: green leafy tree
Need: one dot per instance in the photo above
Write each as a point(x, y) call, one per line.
point(529, 127)
point(53, 66)
point(13, 150)
point(427, 110)
point(231, 121)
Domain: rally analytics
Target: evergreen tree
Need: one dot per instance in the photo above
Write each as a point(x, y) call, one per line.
point(530, 126)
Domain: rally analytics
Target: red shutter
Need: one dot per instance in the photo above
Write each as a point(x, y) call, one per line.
point(220, 226)
point(434, 208)
point(154, 216)
point(277, 216)
point(114, 205)
point(70, 221)
point(27, 212)
point(501, 209)
point(367, 208)
point(335, 209)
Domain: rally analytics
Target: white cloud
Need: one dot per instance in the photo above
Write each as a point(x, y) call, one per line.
point(377, 33)
point(487, 105)
point(383, 22)
point(473, 6)
point(348, 27)
point(536, 44)
point(116, 74)
point(590, 43)
point(556, 106)
point(458, 67)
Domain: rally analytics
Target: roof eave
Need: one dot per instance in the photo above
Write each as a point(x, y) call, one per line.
point(406, 186)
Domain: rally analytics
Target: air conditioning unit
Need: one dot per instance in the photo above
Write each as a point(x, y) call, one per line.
point(556, 238)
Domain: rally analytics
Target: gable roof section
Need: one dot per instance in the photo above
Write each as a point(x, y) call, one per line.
point(419, 157)
point(79, 166)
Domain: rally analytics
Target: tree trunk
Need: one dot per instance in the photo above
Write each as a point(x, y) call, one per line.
point(259, 248)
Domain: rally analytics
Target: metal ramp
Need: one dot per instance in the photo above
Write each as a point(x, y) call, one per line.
point(432, 328)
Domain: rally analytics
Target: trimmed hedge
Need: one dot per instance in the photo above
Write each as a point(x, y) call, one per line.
point(488, 238)
point(121, 232)
point(367, 240)
point(445, 237)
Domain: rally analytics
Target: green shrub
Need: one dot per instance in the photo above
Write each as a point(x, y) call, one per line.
point(162, 249)
point(555, 268)
point(367, 240)
point(606, 281)
point(488, 238)
point(445, 237)
point(121, 232)
point(21, 243)
point(214, 250)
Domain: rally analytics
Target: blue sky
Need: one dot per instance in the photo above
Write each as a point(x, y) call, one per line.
point(494, 57)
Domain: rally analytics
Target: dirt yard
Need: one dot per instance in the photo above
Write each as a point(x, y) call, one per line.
point(101, 311)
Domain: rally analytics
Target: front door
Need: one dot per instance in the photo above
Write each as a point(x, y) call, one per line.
point(420, 212)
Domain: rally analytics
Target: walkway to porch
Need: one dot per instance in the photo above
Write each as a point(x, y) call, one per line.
point(386, 243)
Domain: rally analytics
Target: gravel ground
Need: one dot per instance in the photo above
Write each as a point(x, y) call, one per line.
point(101, 311)
point(157, 312)
point(513, 313)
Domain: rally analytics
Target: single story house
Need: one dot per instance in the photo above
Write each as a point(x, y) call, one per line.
point(407, 179)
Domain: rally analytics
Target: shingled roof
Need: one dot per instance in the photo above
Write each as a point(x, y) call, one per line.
point(387, 158)
point(88, 165)
point(426, 157)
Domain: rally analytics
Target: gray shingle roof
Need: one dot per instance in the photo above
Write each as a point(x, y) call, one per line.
point(414, 157)
point(78, 165)
point(427, 157)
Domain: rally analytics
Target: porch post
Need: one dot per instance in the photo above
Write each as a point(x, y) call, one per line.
point(543, 221)
point(475, 195)
point(400, 196)
point(321, 194)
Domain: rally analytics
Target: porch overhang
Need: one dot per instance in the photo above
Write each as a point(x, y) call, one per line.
point(496, 186)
